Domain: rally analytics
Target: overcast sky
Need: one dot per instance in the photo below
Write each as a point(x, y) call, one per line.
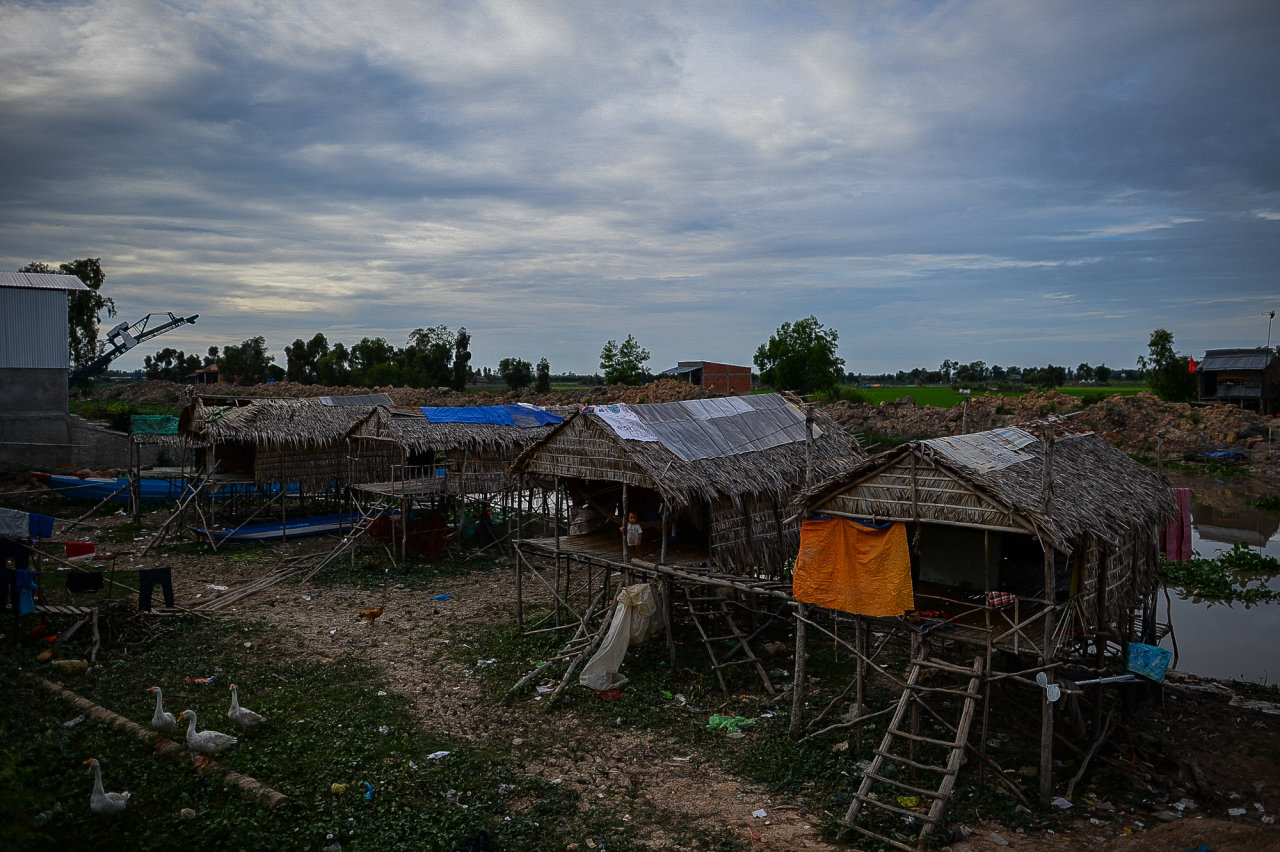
point(1016, 182)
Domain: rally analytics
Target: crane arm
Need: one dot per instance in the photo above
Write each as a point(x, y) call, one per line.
point(125, 336)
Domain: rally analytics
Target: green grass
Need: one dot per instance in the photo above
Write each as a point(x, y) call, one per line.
point(329, 723)
point(946, 397)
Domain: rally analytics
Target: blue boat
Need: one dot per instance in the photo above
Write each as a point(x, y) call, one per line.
point(278, 531)
point(97, 489)
point(152, 489)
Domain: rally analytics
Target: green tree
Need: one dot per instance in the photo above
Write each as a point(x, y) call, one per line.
point(516, 372)
point(335, 368)
point(1053, 377)
point(1102, 373)
point(1084, 373)
point(170, 365)
point(543, 383)
point(461, 359)
point(1167, 372)
point(373, 362)
point(246, 364)
point(84, 307)
point(302, 359)
point(624, 364)
point(800, 356)
point(428, 359)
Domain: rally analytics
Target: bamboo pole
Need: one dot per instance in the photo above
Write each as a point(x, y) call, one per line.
point(797, 682)
point(1046, 651)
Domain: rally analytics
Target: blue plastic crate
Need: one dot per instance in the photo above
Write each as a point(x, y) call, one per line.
point(1148, 660)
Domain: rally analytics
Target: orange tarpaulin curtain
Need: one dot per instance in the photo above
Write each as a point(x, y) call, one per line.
point(854, 568)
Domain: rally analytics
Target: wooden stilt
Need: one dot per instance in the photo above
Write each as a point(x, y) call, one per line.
point(797, 680)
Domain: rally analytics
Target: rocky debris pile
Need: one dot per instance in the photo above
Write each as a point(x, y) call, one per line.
point(904, 418)
point(1141, 424)
point(170, 393)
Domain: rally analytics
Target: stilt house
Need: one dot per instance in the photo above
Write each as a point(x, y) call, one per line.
point(708, 479)
point(1000, 554)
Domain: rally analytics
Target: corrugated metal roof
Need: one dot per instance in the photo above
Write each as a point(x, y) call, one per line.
point(1236, 360)
point(696, 429)
point(41, 281)
point(358, 399)
point(986, 451)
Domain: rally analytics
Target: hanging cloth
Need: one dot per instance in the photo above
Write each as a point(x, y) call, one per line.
point(26, 583)
point(853, 567)
point(1175, 538)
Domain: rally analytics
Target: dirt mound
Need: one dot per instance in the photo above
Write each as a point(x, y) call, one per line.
point(1142, 424)
point(170, 393)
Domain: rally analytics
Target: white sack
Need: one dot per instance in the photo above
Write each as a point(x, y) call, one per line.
point(632, 623)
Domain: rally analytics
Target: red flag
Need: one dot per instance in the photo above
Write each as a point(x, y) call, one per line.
point(1191, 364)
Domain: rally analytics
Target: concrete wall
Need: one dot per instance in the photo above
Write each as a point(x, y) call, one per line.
point(99, 448)
point(34, 429)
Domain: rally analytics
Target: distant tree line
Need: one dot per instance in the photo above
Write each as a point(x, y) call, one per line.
point(978, 375)
point(800, 356)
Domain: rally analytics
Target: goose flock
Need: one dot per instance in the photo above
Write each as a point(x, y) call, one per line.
point(206, 743)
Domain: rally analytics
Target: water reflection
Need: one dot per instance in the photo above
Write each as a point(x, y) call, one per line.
point(1228, 640)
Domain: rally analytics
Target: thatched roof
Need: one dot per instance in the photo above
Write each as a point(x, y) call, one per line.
point(995, 480)
point(696, 450)
point(418, 433)
point(276, 423)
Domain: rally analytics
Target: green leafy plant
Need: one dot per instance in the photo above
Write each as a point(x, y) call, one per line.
point(1237, 575)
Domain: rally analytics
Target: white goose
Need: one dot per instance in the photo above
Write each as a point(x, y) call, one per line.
point(205, 742)
point(242, 716)
point(102, 803)
point(162, 720)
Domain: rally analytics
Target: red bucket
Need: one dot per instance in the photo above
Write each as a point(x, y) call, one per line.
point(80, 549)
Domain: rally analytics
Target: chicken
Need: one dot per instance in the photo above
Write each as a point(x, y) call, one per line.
point(370, 614)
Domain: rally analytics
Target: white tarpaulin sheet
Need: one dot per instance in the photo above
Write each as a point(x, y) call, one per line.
point(622, 419)
point(632, 624)
point(711, 428)
point(985, 451)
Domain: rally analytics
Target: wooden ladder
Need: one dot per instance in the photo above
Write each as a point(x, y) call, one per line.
point(887, 761)
point(711, 606)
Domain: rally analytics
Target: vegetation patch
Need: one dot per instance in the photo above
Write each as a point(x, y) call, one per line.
point(1239, 575)
point(355, 764)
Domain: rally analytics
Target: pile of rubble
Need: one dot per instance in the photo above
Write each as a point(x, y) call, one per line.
point(1141, 424)
point(170, 393)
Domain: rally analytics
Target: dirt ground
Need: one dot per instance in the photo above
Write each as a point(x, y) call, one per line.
point(1203, 755)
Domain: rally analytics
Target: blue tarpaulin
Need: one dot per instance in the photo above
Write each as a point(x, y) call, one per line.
point(526, 417)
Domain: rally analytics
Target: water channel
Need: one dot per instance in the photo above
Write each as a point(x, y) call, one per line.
point(1217, 639)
